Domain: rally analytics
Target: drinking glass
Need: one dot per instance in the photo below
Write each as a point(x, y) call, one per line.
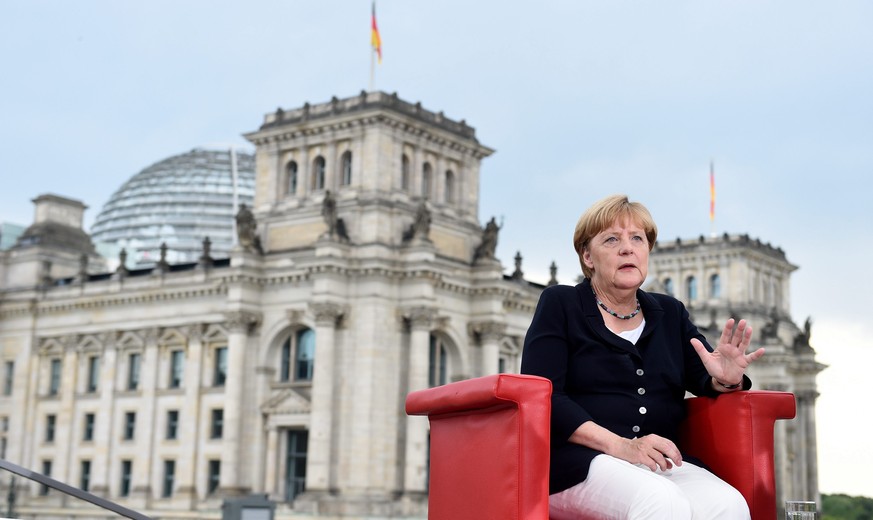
point(800, 510)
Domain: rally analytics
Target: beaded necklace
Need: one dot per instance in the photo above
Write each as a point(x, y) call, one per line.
point(617, 315)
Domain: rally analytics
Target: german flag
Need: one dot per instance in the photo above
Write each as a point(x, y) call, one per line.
point(375, 39)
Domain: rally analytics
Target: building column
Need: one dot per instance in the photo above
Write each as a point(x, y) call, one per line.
point(64, 467)
point(320, 470)
point(101, 466)
point(144, 462)
point(240, 325)
point(189, 422)
point(421, 321)
point(271, 469)
point(489, 333)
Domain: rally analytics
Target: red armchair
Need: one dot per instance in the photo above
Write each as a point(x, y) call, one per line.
point(489, 445)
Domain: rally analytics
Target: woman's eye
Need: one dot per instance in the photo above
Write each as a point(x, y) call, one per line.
point(610, 240)
point(637, 237)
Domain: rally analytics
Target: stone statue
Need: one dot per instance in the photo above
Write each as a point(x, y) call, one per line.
point(771, 327)
point(488, 246)
point(328, 211)
point(336, 227)
point(246, 230)
point(518, 274)
point(420, 227)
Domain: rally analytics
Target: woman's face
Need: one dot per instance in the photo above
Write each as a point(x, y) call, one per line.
point(618, 255)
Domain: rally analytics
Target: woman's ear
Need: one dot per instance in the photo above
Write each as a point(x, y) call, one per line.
point(586, 258)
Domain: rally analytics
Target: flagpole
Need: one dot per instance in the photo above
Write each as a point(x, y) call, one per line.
point(372, 67)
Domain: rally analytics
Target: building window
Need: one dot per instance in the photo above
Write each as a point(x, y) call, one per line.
point(129, 425)
point(50, 423)
point(54, 377)
point(691, 286)
point(404, 173)
point(216, 428)
point(437, 375)
point(126, 471)
point(172, 424)
point(668, 286)
point(88, 430)
point(177, 368)
point(298, 356)
point(715, 286)
point(346, 171)
point(213, 476)
point(8, 373)
point(47, 471)
point(291, 170)
point(318, 173)
point(93, 374)
point(426, 179)
point(133, 364)
point(295, 463)
point(85, 475)
point(169, 478)
point(450, 187)
point(219, 372)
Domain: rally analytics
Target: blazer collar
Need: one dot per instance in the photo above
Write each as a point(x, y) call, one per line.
point(652, 311)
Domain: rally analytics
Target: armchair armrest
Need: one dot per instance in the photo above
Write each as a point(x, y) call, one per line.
point(489, 445)
point(733, 435)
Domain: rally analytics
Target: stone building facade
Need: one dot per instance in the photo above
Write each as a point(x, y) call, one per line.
point(283, 370)
point(361, 273)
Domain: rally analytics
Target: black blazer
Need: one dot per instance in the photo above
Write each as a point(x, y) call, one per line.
point(632, 390)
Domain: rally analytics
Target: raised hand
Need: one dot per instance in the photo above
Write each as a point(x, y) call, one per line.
point(729, 361)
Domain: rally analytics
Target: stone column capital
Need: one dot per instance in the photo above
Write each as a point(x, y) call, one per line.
point(487, 331)
point(327, 313)
point(420, 317)
point(242, 321)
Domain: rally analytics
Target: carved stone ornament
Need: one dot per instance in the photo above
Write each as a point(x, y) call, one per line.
point(327, 313)
point(487, 331)
point(420, 317)
point(241, 321)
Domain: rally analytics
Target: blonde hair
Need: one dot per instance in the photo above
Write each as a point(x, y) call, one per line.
point(605, 213)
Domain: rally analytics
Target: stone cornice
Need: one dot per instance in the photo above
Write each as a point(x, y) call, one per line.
point(355, 113)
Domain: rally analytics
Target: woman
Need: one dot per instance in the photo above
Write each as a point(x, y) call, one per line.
point(620, 361)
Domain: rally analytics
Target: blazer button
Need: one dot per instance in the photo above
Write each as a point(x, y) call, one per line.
point(643, 410)
point(636, 429)
point(641, 391)
point(640, 372)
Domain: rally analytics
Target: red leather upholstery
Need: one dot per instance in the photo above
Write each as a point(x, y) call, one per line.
point(489, 445)
point(733, 435)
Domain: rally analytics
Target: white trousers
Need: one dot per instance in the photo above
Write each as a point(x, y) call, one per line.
point(618, 490)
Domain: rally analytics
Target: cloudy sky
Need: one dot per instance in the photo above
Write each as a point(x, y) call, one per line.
point(581, 99)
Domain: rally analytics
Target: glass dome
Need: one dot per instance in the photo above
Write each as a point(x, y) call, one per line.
point(178, 201)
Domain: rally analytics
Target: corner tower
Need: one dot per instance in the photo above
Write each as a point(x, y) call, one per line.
point(381, 159)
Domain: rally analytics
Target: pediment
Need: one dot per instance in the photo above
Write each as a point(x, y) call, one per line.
point(286, 401)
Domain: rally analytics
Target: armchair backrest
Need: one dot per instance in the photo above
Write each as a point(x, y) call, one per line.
point(489, 440)
point(733, 435)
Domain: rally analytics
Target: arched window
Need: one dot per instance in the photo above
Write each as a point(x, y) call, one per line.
point(668, 286)
point(346, 162)
point(404, 173)
point(318, 169)
point(426, 177)
point(439, 359)
point(298, 356)
point(291, 171)
point(450, 187)
point(715, 286)
point(691, 288)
